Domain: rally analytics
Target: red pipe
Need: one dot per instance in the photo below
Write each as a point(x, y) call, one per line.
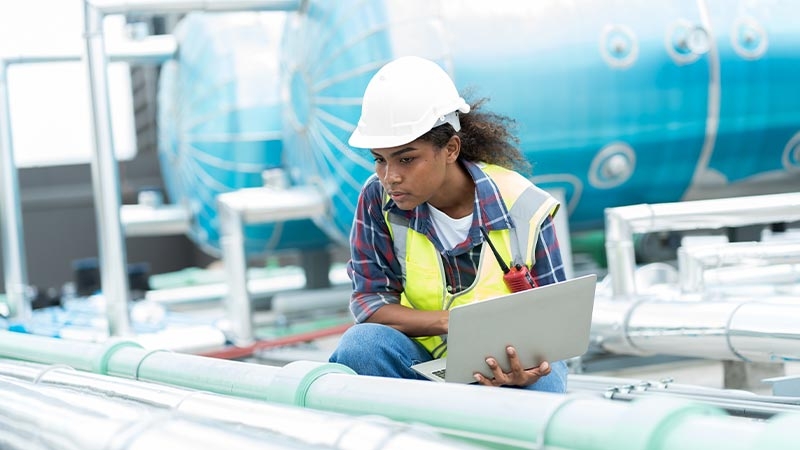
point(234, 352)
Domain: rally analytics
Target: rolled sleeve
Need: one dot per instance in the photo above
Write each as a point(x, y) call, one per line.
point(373, 268)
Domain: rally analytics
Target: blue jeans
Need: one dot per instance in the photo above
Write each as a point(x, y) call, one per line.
point(380, 350)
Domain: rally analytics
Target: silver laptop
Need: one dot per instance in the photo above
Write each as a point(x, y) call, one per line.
point(547, 323)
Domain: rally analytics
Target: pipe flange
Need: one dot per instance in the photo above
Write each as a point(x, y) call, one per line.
point(619, 46)
point(290, 385)
point(48, 369)
point(145, 356)
point(613, 165)
point(100, 363)
point(541, 436)
point(649, 418)
point(685, 42)
point(749, 39)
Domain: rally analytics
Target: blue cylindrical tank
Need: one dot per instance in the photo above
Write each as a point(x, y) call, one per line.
point(759, 113)
point(220, 124)
point(616, 102)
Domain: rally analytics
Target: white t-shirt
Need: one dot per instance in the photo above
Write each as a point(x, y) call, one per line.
point(450, 231)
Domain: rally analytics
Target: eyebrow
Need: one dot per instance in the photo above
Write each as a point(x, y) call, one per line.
point(395, 153)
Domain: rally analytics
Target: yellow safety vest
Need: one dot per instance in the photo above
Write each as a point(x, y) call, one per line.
point(423, 273)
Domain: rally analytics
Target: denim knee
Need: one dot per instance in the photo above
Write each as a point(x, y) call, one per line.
point(556, 381)
point(379, 350)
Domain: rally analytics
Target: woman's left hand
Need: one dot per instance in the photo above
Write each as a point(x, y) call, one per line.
point(517, 376)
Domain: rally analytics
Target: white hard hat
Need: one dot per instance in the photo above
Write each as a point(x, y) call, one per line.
point(405, 99)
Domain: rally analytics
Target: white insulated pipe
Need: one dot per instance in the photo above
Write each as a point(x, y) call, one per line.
point(623, 222)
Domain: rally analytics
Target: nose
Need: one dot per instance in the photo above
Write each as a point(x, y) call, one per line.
point(390, 175)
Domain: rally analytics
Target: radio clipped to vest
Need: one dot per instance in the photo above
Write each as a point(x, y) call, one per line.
point(517, 277)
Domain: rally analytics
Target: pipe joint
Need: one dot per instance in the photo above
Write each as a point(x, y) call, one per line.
point(541, 435)
point(649, 420)
point(292, 382)
point(52, 368)
point(107, 351)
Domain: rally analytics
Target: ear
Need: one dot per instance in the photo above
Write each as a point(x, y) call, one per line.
point(453, 148)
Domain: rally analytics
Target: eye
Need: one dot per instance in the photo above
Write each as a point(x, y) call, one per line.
point(406, 160)
point(378, 160)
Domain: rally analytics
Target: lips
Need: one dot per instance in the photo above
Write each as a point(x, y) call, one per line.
point(397, 195)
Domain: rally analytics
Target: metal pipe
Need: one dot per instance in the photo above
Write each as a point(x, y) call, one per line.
point(531, 419)
point(204, 287)
point(759, 263)
point(151, 49)
point(523, 418)
point(147, 50)
point(185, 6)
point(307, 300)
point(144, 220)
point(328, 429)
point(249, 206)
point(14, 262)
point(238, 304)
point(734, 402)
point(734, 279)
point(701, 325)
point(64, 419)
point(623, 222)
point(740, 408)
point(111, 248)
point(105, 179)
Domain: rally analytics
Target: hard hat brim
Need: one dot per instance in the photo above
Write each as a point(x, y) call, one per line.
point(360, 140)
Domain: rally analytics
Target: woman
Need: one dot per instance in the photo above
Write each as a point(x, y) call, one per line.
point(441, 174)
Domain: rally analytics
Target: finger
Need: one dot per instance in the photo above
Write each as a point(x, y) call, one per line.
point(513, 359)
point(482, 379)
point(544, 368)
point(500, 378)
point(533, 375)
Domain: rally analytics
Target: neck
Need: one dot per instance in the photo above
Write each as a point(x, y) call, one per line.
point(458, 199)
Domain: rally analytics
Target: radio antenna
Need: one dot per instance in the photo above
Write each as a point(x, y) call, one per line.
point(500, 261)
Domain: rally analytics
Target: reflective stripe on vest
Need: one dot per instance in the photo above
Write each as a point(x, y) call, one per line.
point(422, 270)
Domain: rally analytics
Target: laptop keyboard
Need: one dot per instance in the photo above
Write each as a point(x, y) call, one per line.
point(439, 373)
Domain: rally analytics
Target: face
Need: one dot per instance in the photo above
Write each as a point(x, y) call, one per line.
point(414, 173)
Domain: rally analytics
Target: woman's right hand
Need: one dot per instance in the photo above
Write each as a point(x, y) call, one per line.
point(517, 376)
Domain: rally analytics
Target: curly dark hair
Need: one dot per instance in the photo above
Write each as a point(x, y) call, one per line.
point(485, 136)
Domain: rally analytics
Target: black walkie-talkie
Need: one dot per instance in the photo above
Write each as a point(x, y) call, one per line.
point(517, 277)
